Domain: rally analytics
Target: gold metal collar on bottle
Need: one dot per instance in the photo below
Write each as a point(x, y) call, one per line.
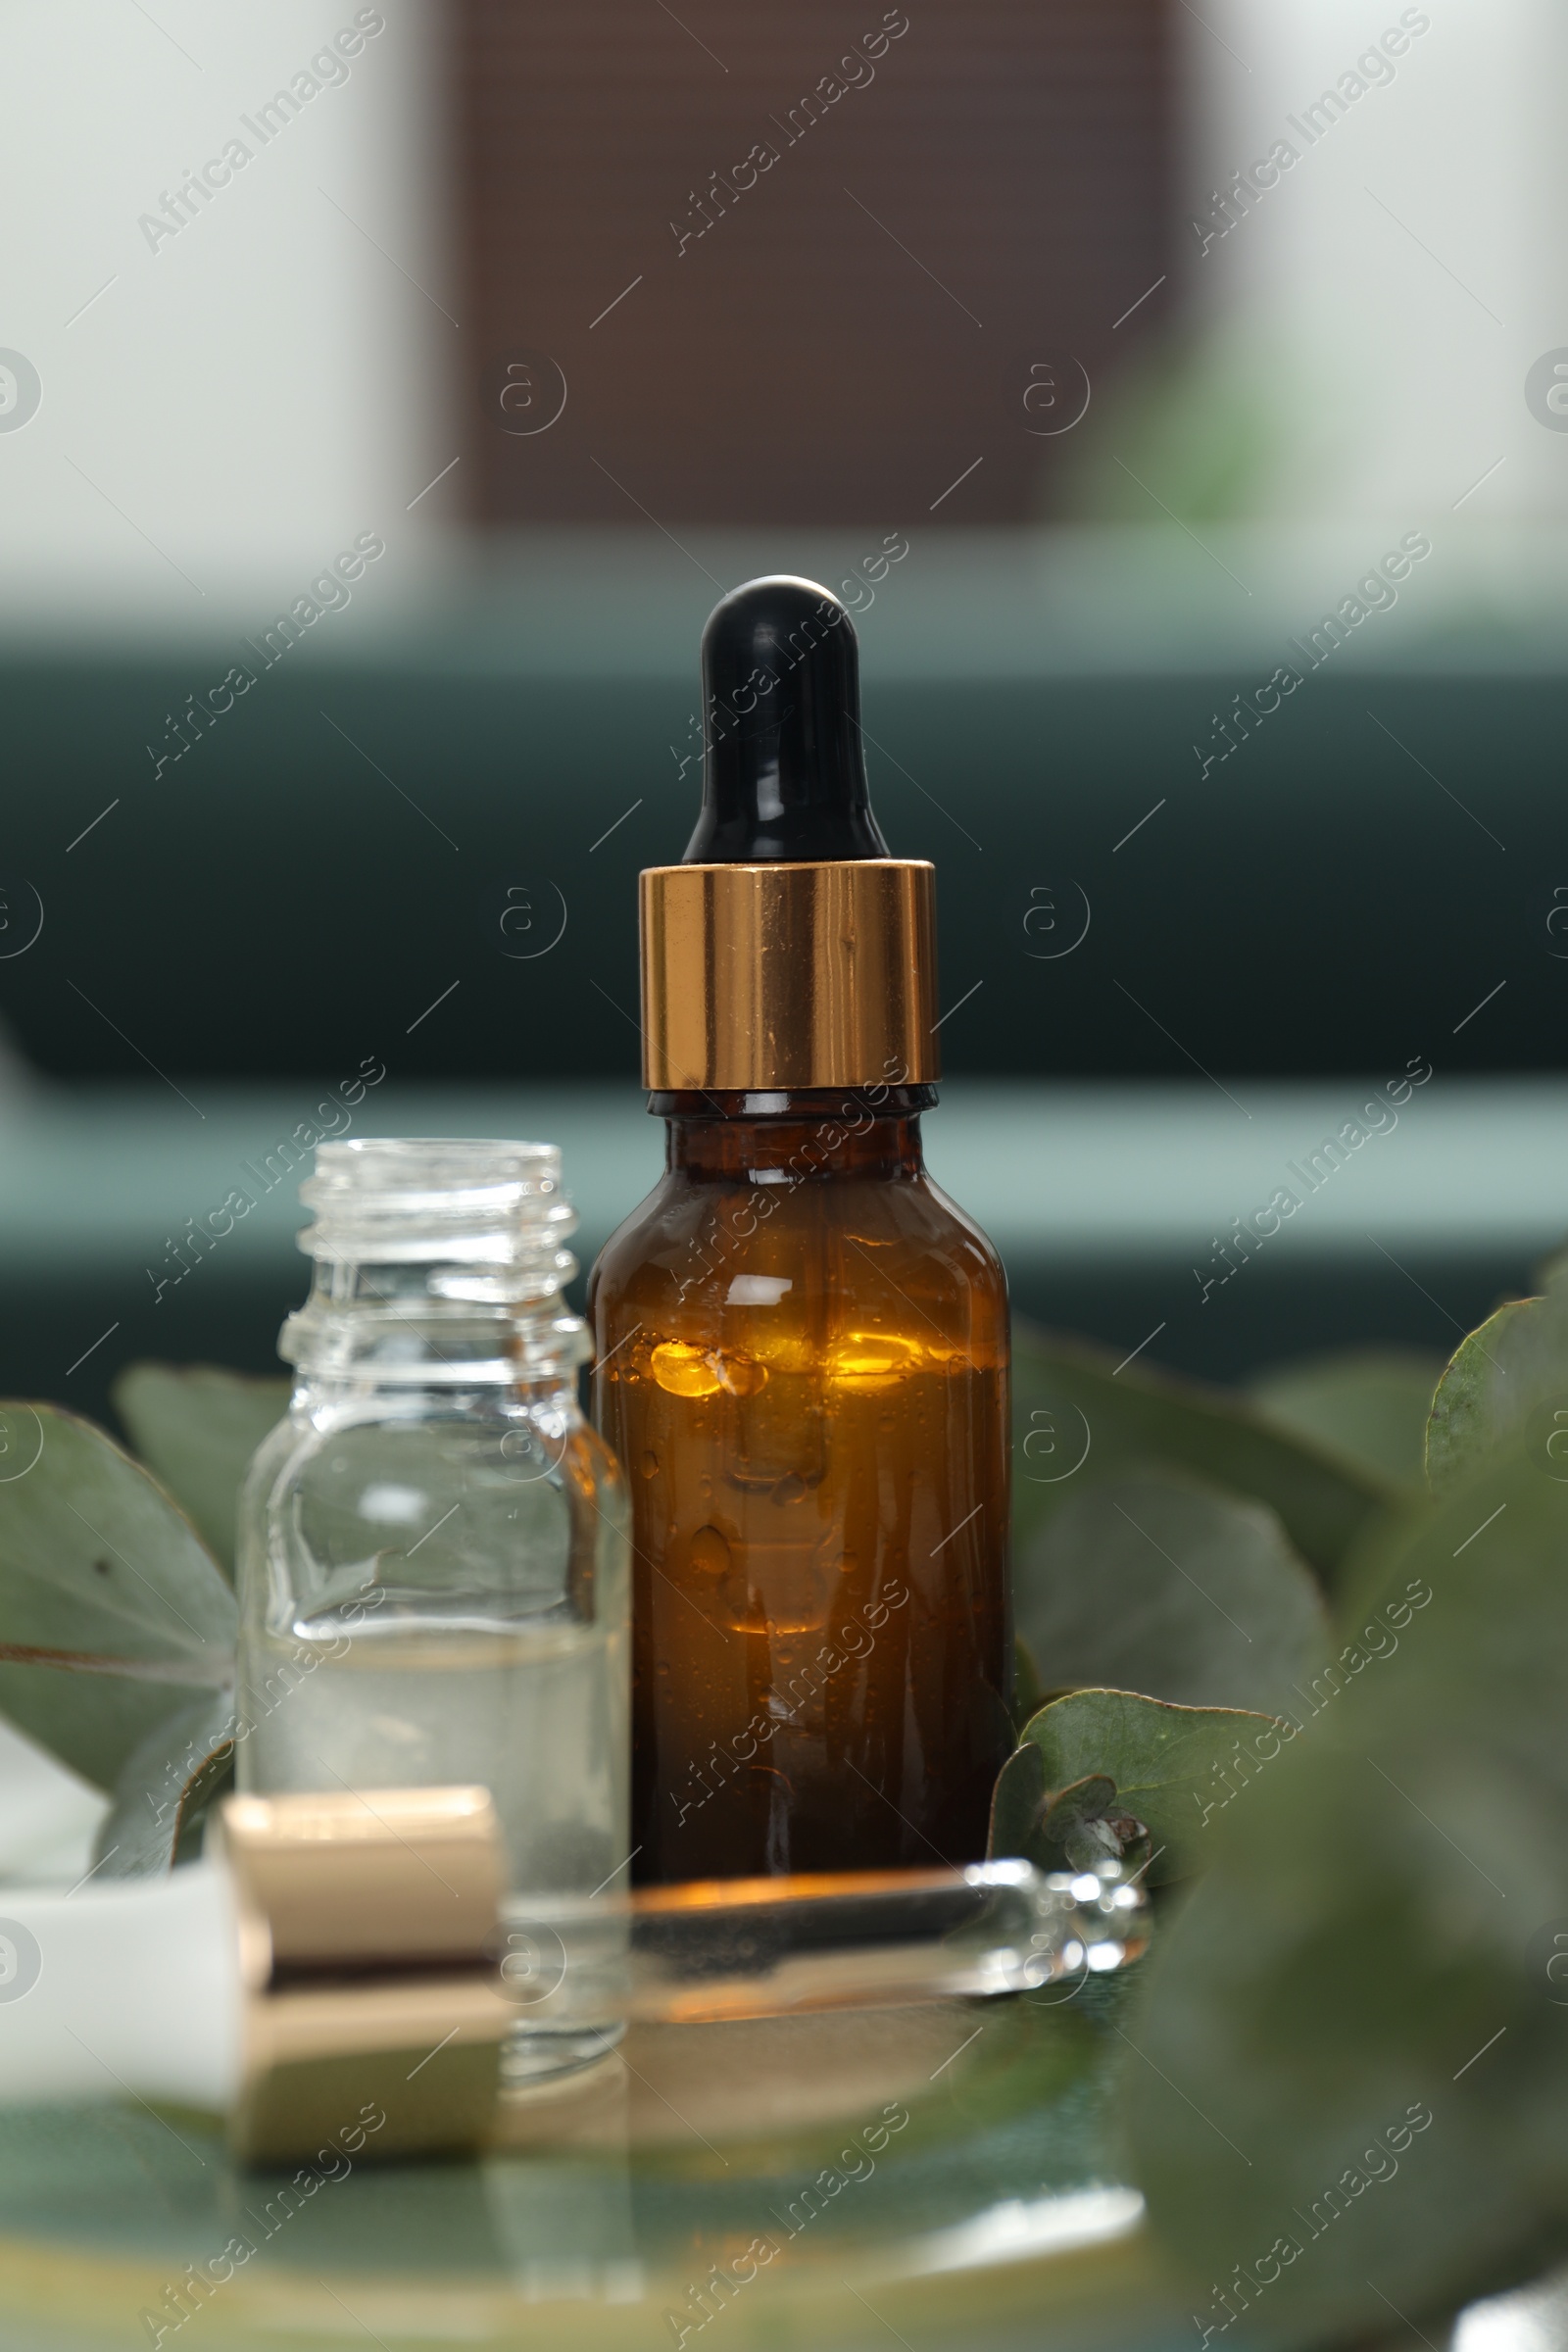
point(787, 976)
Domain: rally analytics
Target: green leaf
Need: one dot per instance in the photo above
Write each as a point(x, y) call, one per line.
point(112, 1616)
point(1161, 1586)
point(1076, 1412)
point(1016, 1803)
point(1507, 1384)
point(1089, 1824)
point(196, 1426)
point(1174, 1767)
point(1368, 1406)
point(1375, 1937)
point(162, 1795)
point(1469, 1416)
point(1068, 1828)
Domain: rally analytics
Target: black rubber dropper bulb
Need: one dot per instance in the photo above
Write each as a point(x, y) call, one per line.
point(784, 773)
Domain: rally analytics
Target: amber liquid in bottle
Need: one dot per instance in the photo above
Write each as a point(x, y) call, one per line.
point(802, 1361)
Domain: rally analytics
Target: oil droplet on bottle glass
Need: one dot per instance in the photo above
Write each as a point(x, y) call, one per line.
point(709, 1553)
point(684, 1371)
point(865, 1361)
point(650, 1463)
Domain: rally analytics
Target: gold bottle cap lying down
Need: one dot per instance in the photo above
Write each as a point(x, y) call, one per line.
point(369, 1961)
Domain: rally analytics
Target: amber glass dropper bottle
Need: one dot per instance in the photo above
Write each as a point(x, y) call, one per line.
point(800, 1344)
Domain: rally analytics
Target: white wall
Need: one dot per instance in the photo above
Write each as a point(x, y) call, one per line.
point(1390, 358)
point(245, 396)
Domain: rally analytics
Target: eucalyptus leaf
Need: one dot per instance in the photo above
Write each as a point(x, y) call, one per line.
point(1470, 1414)
point(1016, 1803)
point(1174, 1768)
point(1376, 1944)
point(1077, 1416)
point(1507, 1384)
point(162, 1795)
point(1089, 1824)
point(1158, 1585)
point(1067, 1829)
point(1368, 1405)
point(197, 1426)
point(113, 1615)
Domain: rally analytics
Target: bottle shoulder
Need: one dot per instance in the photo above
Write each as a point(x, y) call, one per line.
point(973, 1232)
point(704, 1245)
point(911, 1202)
point(423, 1427)
point(361, 1502)
point(282, 1441)
point(628, 1246)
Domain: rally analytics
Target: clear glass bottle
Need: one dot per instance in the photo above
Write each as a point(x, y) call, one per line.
point(433, 1552)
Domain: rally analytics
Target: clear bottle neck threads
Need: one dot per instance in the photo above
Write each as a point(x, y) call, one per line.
point(439, 1264)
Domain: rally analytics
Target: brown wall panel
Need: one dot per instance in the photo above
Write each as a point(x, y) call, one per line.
point(798, 360)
